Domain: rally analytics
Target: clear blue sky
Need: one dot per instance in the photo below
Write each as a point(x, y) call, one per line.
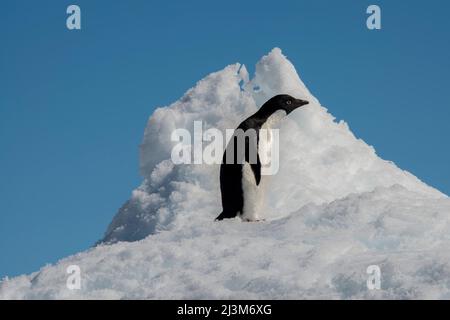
point(74, 104)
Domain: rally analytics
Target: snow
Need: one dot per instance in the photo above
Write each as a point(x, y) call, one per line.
point(320, 159)
point(333, 209)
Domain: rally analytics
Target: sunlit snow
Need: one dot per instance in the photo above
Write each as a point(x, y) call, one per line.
point(333, 209)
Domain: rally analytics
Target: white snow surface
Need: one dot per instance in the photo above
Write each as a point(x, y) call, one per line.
point(333, 209)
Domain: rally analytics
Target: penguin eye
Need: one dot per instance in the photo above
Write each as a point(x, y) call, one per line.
point(288, 102)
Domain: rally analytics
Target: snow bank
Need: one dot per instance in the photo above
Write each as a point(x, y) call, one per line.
point(334, 209)
point(320, 251)
point(320, 159)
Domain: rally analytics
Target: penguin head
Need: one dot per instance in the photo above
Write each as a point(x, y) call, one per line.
point(282, 102)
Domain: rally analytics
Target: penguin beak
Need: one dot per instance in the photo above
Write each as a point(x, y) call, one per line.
point(300, 102)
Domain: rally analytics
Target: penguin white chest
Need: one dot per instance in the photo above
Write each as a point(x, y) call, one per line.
point(253, 194)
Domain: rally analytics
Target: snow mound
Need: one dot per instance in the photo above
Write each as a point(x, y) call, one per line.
point(334, 209)
point(320, 251)
point(320, 159)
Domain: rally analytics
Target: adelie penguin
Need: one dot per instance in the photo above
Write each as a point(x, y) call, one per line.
point(240, 172)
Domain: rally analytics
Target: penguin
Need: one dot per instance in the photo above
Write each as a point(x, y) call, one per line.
point(240, 171)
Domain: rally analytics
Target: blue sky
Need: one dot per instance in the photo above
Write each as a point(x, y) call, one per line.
point(74, 104)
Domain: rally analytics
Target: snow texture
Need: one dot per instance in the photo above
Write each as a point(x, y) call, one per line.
point(333, 209)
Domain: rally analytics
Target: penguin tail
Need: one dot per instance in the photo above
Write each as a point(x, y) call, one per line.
point(226, 215)
point(220, 217)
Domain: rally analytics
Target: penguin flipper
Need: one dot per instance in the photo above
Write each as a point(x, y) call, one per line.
point(252, 148)
point(256, 168)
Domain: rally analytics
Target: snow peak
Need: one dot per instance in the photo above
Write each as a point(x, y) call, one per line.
point(201, 311)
